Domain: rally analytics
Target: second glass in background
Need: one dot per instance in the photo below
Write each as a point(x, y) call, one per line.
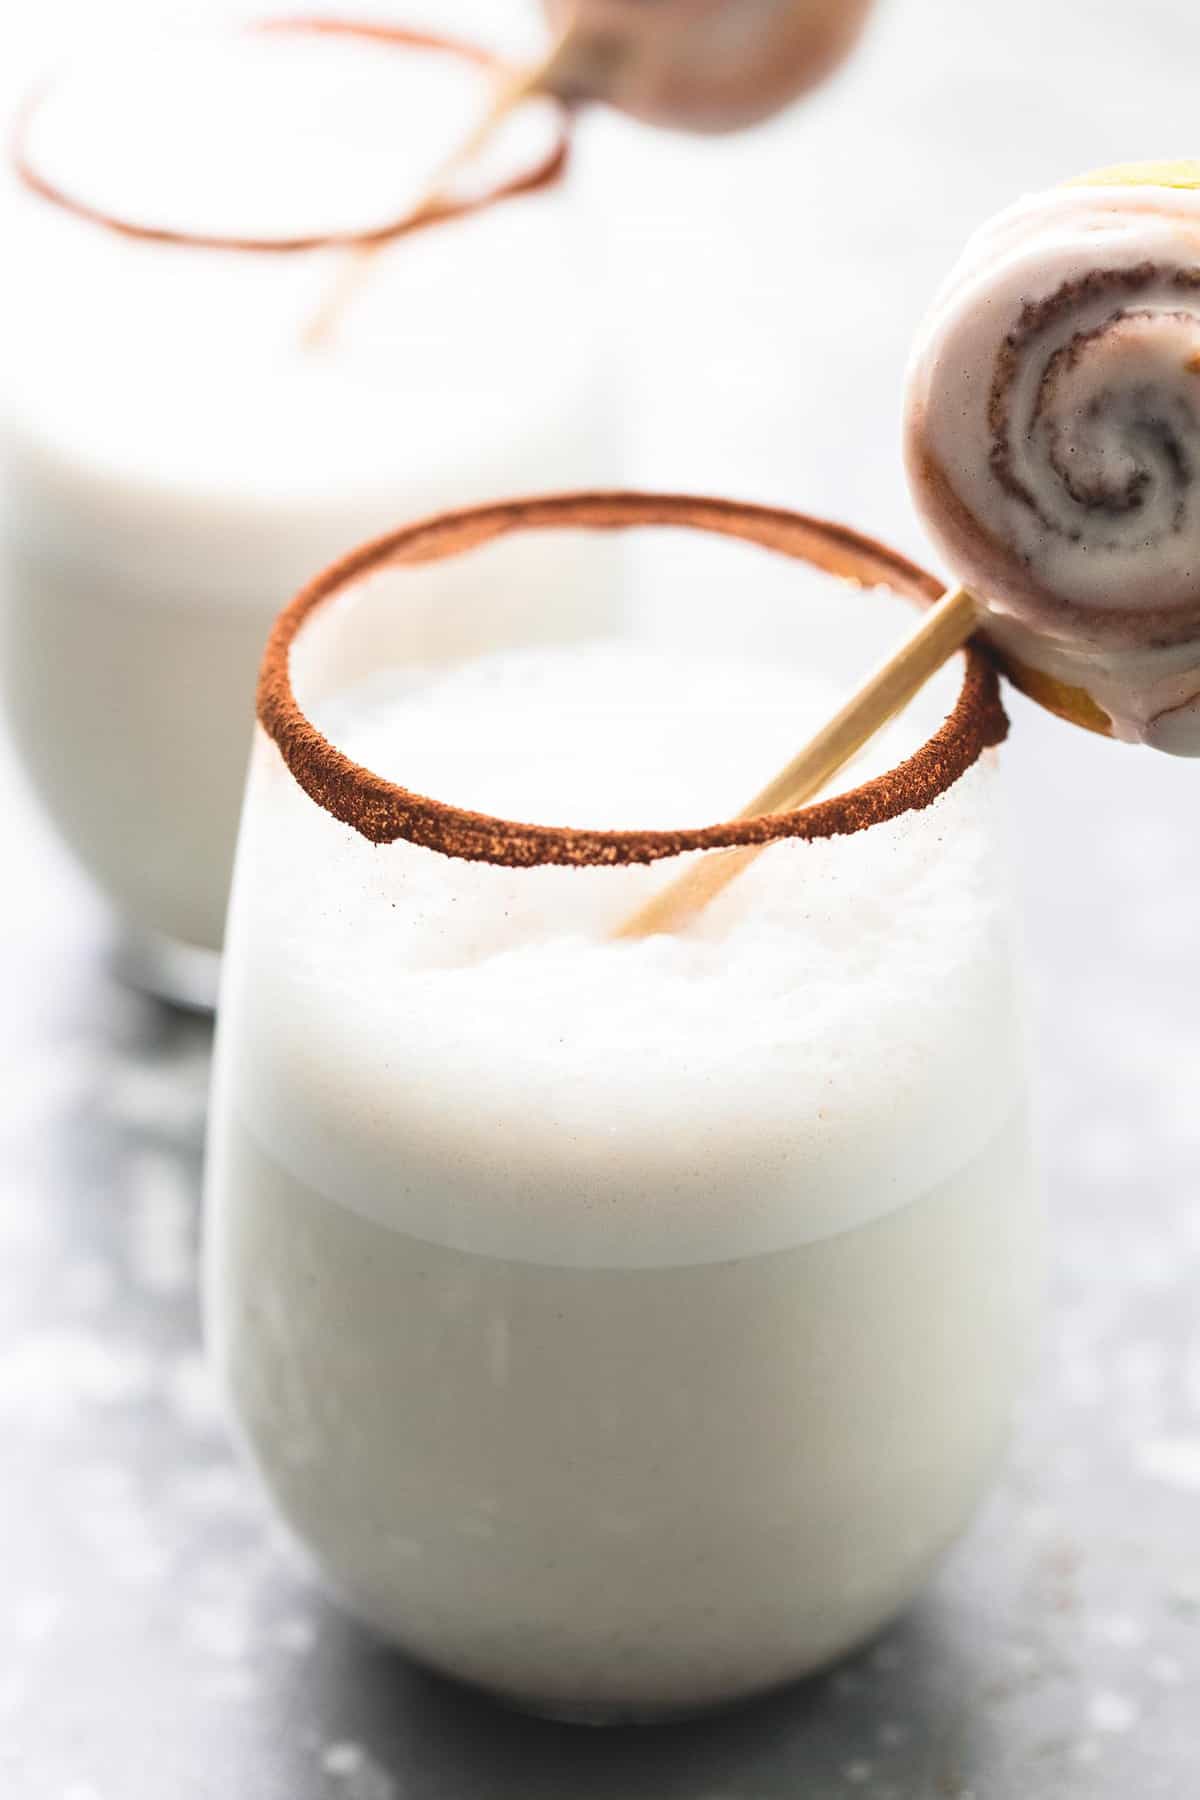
point(176, 459)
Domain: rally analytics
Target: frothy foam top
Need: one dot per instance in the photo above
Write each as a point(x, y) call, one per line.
point(461, 1051)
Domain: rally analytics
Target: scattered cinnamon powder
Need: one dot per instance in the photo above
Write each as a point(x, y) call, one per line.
point(544, 173)
point(383, 811)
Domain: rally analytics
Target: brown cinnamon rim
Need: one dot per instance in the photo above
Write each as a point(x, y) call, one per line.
point(383, 811)
point(541, 174)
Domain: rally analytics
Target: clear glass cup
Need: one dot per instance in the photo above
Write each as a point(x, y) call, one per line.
point(176, 455)
point(621, 1326)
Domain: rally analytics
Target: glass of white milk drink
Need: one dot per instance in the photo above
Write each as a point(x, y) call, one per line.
point(180, 445)
point(622, 1325)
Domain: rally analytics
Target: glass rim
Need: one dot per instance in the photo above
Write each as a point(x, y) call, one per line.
point(383, 811)
point(547, 171)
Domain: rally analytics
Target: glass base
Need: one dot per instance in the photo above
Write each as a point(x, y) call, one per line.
point(184, 975)
point(617, 1718)
point(621, 1714)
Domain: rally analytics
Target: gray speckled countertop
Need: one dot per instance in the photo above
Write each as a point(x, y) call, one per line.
point(156, 1640)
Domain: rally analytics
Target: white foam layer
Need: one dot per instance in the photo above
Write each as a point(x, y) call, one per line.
point(461, 1051)
point(608, 734)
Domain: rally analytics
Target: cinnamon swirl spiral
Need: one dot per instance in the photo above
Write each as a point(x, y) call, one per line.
point(1053, 445)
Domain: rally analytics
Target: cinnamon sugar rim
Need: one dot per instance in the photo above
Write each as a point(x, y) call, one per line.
point(544, 173)
point(382, 810)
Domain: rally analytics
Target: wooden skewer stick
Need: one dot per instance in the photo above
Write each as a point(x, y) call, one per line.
point(352, 273)
point(520, 85)
point(942, 631)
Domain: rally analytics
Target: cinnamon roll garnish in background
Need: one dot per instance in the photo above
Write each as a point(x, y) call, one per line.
point(1053, 444)
point(701, 65)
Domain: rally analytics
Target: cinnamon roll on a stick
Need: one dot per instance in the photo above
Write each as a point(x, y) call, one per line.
point(1052, 435)
point(1053, 446)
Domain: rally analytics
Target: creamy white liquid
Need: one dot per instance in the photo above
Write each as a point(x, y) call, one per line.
point(636, 1489)
point(173, 464)
point(622, 1327)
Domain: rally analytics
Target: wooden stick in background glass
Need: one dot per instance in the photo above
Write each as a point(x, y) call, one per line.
point(942, 631)
point(520, 85)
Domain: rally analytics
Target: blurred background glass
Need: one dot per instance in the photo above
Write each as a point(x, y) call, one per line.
point(178, 457)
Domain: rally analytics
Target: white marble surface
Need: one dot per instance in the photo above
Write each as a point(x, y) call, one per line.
point(155, 1639)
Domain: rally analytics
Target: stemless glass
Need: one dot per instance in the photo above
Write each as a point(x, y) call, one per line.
point(178, 455)
point(621, 1326)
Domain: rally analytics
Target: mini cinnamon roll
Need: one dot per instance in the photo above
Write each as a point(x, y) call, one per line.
point(1052, 436)
point(704, 65)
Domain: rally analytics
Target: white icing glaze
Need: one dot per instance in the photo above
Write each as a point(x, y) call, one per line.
point(1054, 448)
